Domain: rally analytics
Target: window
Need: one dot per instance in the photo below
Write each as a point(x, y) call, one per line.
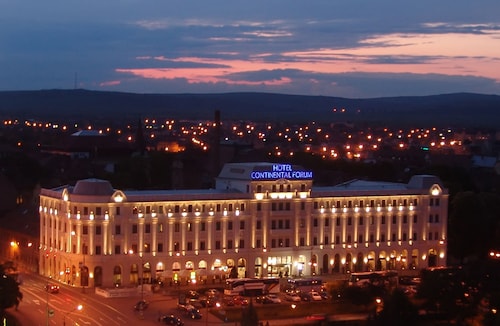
point(258, 243)
point(337, 221)
point(98, 230)
point(327, 221)
point(117, 211)
point(177, 227)
point(98, 211)
point(302, 223)
point(134, 228)
point(415, 218)
point(383, 219)
point(118, 229)
point(405, 219)
point(160, 247)
point(98, 250)
point(337, 239)
point(404, 236)
point(382, 237)
point(361, 220)
point(315, 241)
point(394, 219)
point(394, 237)
point(242, 225)
point(147, 247)
point(372, 238)
point(160, 227)
point(217, 226)
point(85, 229)
point(436, 218)
point(189, 227)
point(189, 246)
point(241, 244)
point(259, 207)
point(229, 244)
point(280, 224)
point(315, 222)
point(147, 228)
point(349, 220)
point(259, 225)
point(217, 244)
point(177, 246)
point(302, 206)
point(118, 250)
point(302, 242)
point(202, 226)
point(230, 225)
point(202, 245)
point(360, 238)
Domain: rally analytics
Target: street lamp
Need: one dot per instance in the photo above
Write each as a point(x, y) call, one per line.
point(79, 308)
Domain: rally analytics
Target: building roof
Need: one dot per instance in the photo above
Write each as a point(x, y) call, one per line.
point(93, 187)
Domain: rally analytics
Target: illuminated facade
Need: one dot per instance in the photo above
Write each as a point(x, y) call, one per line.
point(261, 220)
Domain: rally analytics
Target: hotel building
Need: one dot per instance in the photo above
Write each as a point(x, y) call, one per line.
point(261, 220)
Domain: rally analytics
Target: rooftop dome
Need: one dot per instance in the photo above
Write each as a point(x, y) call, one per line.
point(93, 187)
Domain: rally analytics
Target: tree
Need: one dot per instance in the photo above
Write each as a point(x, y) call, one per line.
point(10, 294)
point(397, 310)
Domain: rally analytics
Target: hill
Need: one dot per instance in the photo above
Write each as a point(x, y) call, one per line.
point(459, 109)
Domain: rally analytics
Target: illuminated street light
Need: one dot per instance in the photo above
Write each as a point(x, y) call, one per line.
point(79, 308)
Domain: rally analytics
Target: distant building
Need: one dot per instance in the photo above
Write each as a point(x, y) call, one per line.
point(261, 220)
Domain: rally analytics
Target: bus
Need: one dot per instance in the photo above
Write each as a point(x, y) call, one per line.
point(387, 279)
point(251, 286)
point(305, 284)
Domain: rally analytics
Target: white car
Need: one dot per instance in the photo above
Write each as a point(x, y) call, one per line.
point(293, 297)
point(315, 296)
point(273, 298)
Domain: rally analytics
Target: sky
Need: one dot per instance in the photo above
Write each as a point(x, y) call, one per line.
point(341, 48)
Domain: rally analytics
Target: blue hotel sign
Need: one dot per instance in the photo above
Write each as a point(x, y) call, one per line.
point(281, 171)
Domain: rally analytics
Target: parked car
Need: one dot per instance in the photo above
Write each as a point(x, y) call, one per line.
point(263, 299)
point(141, 305)
point(193, 313)
point(171, 320)
point(192, 295)
point(52, 288)
point(305, 296)
point(212, 293)
point(273, 298)
point(315, 296)
point(292, 296)
point(240, 301)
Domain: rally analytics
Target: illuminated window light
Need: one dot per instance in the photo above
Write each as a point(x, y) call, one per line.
point(259, 196)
